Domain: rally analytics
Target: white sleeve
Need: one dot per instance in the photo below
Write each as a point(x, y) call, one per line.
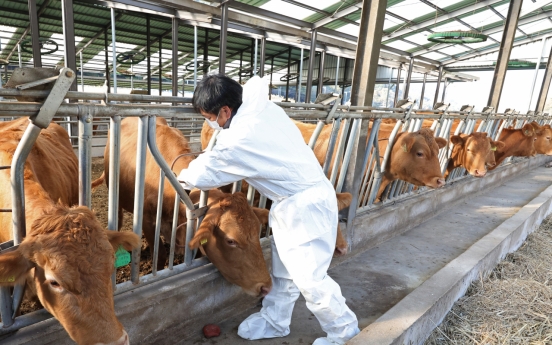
point(214, 169)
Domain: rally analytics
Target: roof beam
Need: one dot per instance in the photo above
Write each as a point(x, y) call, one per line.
point(317, 10)
point(338, 15)
point(442, 18)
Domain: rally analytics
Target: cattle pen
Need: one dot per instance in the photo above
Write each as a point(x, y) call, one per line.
point(432, 190)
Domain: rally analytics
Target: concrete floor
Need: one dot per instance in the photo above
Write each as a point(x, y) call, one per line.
point(375, 280)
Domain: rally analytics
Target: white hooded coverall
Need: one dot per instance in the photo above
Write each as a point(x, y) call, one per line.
point(265, 148)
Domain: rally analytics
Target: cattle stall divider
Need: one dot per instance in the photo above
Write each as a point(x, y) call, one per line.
point(344, 134)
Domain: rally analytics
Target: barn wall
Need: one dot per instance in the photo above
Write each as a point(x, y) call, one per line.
point(177, 307)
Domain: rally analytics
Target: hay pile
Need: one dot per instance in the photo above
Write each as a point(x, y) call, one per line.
point(513, 305)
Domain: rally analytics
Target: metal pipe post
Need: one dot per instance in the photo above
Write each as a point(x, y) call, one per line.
point(444, 90)
point(195, 57)
point(114, 172)
point(506, 45)
point(263, 57)
point(299, 78)
point(321, 73)
point(174, 71)
point(81, 72)
point(223, 37)
point(255, 59)
point(423, 92)
point(539, 58)
point(288, 73)
point(148, 51)
point(312, 56)
point(398, 86)
point(68, 23)
point(408, 78)
point(114, 44)
point(35, 33)
point(336, 73)
point(107, 74)
point(441, 70)
point(85, 155)
point(19, 55)
point(541, 100)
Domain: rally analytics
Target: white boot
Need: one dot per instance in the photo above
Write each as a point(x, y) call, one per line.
point(325, 341)
point(257, 327)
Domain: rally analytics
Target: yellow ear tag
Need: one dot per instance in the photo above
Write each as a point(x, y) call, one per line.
point(203, 241)
point(493, 148)
point(404, 148)
point(8, 280)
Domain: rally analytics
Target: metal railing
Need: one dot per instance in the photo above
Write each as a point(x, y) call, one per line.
point(343, 123)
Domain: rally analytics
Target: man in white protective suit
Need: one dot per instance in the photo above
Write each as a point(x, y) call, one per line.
point(261, 144)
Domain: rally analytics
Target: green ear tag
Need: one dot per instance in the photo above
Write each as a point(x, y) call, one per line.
point(122, 257)
point(493, 148)
point(9, 280)
point(203, 241)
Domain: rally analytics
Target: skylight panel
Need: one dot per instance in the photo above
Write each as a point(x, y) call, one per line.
point(121, 47)
point(481, 44)
point(444, 3)
point(6, 33)
point(390, 22)
point(502, 9)
point(320, 4)
point(410, 9)
point(287, 9)
point(537, 26)
point(419, 38)
point(349, 29)
point(481, 19)
point(497, 36)
point(401, 45)
point(452, 26)
point(454, 49)
point(434, 56)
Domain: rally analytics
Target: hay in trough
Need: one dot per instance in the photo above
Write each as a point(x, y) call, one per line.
point(513, 305)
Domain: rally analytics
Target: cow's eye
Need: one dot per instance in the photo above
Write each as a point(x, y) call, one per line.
point(547, 138)
point(231, 242)
point(54, 284)
point(419, 154)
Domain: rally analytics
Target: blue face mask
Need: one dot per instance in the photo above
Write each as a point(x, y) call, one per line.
point(214, 124)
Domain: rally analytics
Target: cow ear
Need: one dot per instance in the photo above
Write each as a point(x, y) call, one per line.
point(547, 126)
point(202, 234)
point(496, 145)
point(13, 268)
point(128, 240)
point(528, 130)
point(457, 140)
point(343, 200)
point(262, 215)
point(407, 142)
point(441, 142)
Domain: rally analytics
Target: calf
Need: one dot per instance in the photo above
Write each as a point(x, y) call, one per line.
point(474, 152)
point(543, 144)
point(517, 142)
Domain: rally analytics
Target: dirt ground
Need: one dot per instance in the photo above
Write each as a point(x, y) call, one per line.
point(513, 305)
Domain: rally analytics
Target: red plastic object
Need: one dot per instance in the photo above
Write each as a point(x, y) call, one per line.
point(210, 331)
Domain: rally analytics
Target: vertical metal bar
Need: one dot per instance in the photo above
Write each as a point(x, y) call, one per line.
point(316, 133)
point(148, 51)
point(114, 172)
point(175, 57)
point(299, 78)
point(158, 221)
point(263, 57)
point(271, 74)
point(81, 72)
point(114, 44)
point(255, 60)
point(160, 65)
point(19, 55)
point(388, 88)
point(539, 59)
point(339, 151)
point(206, 51)
point(421, 106)
point(139, 194)
point(6, 310)
point(195, 57)
point(408, 78)
point(436, 98)
point(312, 56)
point(188, 253)
point(331, 145)
point(237, 187)
point(107, 73)
point(241, 67)
point(288, 73)
point(336, 74)
point(85, 155)
point(506, 45)
point(223, 37)
point(69, 52)
point(176, 212)
point(321, 73)
point(35, 33)
point(250, 195)
point(444, 90)
point(398, 86)
point(347, 157)
point(541, 100)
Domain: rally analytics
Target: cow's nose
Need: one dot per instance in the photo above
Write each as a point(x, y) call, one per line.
point(480, 173)
point(440, 182)
point(264, 290)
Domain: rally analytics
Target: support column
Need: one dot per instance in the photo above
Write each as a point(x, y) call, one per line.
point(35, 33)
point(69, 41)
point(398, 86)
point(223, 37)
point(423, 92)
point(107, 75)
point(160, 65)
point(444, 91)
point(539, 59)
point(174, 71)
point(408, 78)
point(206, 52)
point(321, 73)
point(541, 101)
point(148, 51)
point(362, 91)
point(263, 57)
point(288, 73)
point(504, 53)
point(436, 98)
point(312, 56)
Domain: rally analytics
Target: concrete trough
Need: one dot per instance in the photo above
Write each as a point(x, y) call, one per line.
point(176, 308)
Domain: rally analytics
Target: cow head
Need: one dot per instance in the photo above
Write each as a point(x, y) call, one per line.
point(73, 260)
point(475, 152)
point(414, 158)
point(229, 234)
point(543, 144)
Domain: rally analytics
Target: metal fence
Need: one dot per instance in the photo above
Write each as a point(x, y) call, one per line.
point(342, 122)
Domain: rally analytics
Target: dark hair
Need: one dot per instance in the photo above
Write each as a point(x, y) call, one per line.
point(215, 91)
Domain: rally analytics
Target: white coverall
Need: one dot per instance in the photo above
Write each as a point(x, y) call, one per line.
point(265, 148)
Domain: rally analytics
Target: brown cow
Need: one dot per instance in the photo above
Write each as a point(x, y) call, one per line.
point(474, 152)
point(414, 159)
point(517, 142)
point(543, 144)
point(172, 143)
point(67, 258)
